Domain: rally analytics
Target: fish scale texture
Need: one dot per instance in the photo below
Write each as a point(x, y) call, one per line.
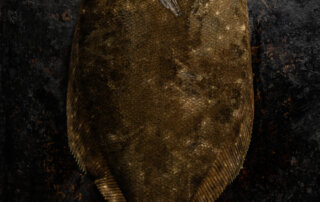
point(36, 164)
point(161, 102)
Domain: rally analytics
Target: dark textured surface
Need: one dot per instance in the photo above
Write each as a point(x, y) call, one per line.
point(283, 160)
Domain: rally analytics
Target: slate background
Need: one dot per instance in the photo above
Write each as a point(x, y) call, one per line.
point(283, 162)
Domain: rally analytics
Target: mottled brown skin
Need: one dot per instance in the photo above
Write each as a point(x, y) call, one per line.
point(160, 101)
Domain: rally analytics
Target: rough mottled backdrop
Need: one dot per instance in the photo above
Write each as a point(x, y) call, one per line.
point(283, 162)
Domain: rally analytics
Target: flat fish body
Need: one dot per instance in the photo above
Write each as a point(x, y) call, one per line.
point(160, 97)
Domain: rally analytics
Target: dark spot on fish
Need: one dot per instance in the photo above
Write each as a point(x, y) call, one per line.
point(224, 114)
point(237, 51)
point(168, 69)
point(115, 75)
point(235, 93)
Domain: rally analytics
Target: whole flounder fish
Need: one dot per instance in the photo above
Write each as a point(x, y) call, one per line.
point(160, 97)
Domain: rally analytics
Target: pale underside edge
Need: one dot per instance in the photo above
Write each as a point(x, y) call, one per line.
point(172, 5)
